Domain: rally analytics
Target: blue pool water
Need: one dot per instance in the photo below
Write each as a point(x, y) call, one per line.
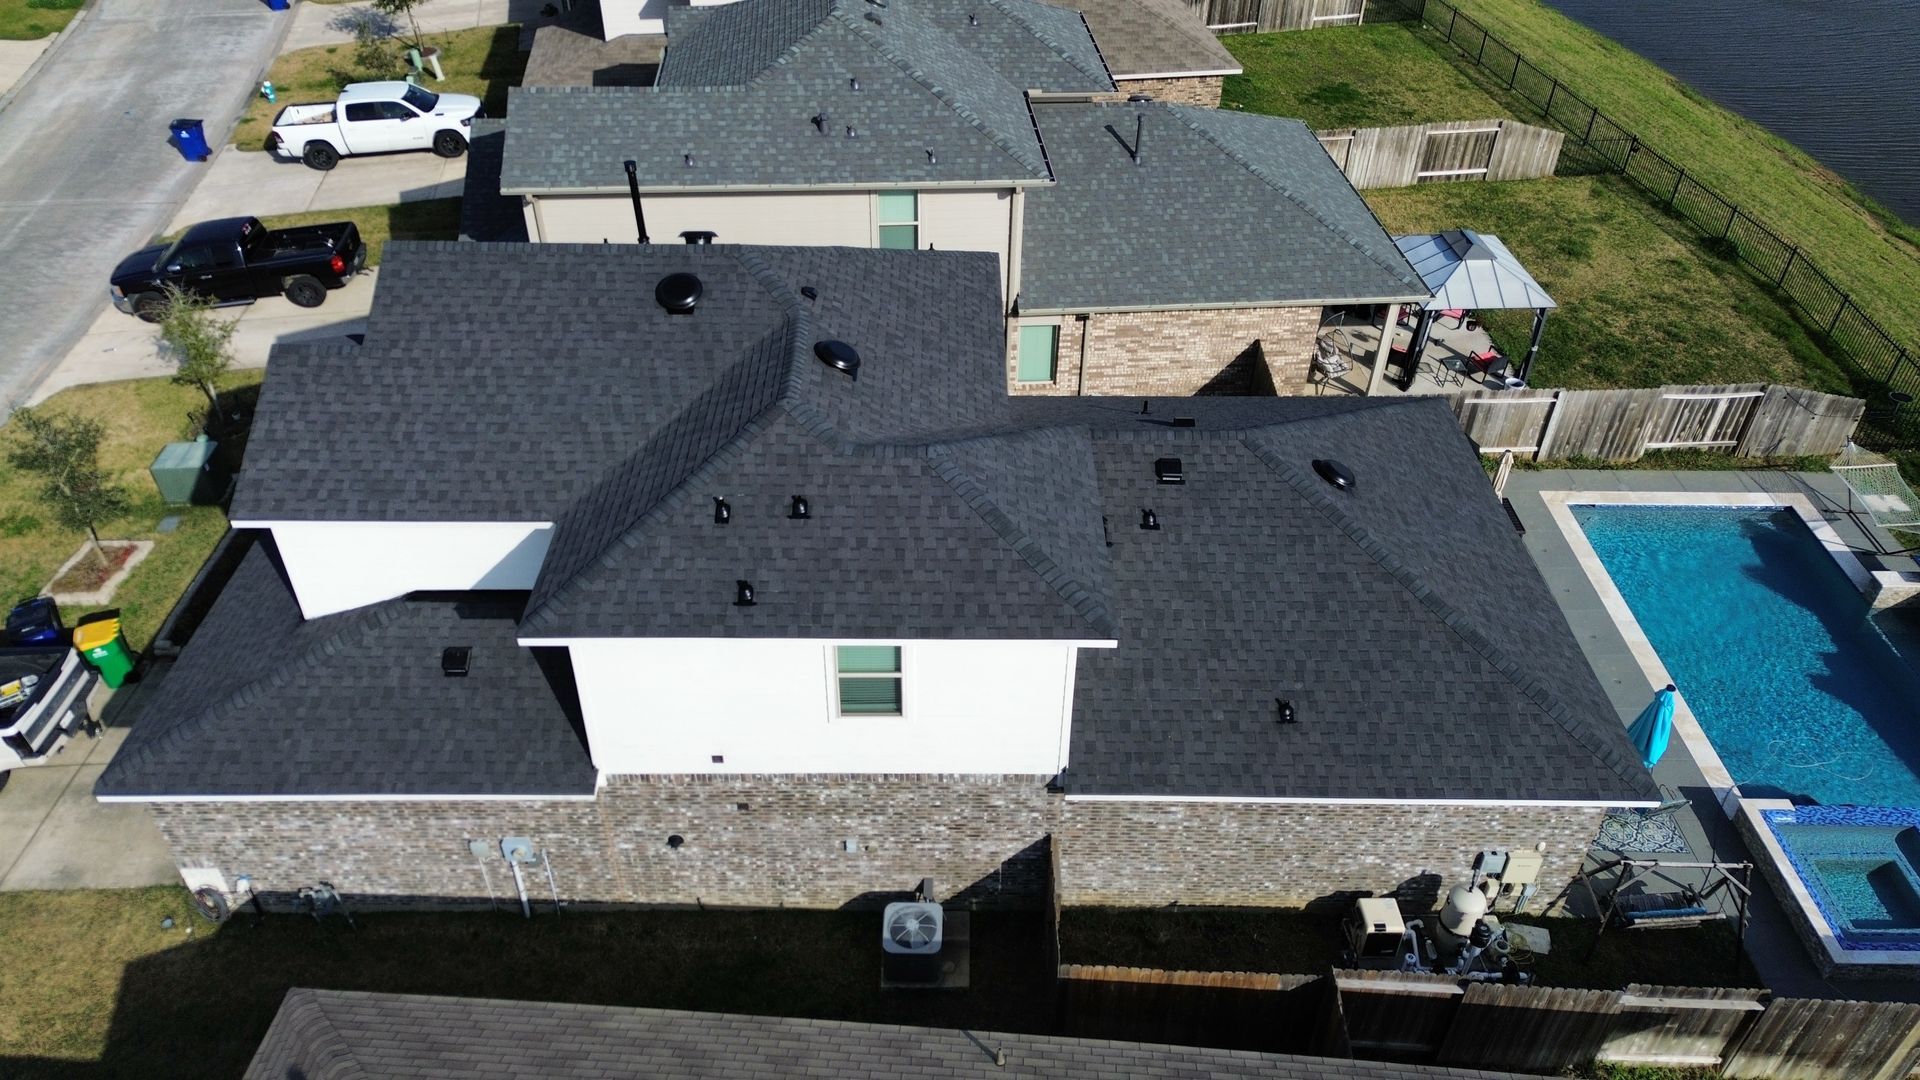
point(1798, 691)
point(1859, 865)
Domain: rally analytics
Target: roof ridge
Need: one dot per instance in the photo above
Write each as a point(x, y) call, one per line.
point(1079, 595)
point(360, 621)
point(946, 97)
point(1006, 7)
point(1454, 619)
point(1185, 114)
point(322, 1035)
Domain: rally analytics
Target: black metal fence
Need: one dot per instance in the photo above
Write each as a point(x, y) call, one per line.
point(1883, 371)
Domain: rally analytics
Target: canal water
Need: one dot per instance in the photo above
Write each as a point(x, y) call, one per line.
point(1838, 78)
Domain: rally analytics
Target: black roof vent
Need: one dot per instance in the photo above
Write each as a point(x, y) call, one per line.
point(931, 160)
point(1139, 97)
point(819, 122)
point(853, 81)
point(799, 510)
point(972, 19)
point(687, 160)
point(1149, 519)
point(679, 294)
point(454, 661)
point(1183, 421)
point(809, 292)
point(1168, 471)
point(722, 513)
point(743, 594)
point(1283, 711)
point(699, 236)
point(1334, 473)
point(839, 356)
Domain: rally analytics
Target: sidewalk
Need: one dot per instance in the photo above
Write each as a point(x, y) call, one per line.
point(254, 182)
point(122, 347)
point(17, 56)
point(329, 24)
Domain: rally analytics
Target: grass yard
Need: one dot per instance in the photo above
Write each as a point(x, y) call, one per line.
point(141, 416)
point(95, 988)
point(29, 20)
point(1295, 942)
point(1368, 76)
point(483, 62)
point(1859, 243)
point(1642, 303)
point(428, 219)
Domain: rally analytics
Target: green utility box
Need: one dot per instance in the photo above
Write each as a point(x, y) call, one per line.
point(185, 473)
point(99, 639)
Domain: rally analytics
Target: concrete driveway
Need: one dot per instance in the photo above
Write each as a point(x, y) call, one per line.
point(53, 835)
point(86, 172)
point(120, 346)
point(258, 183)
point(326, 24)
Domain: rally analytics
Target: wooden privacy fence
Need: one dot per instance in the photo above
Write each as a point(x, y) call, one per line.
point(1442, 1020)
point(1250, 16)
point(1442, 152)
point(1749, 420)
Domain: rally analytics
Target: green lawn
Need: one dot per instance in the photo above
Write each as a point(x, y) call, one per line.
point(430, 219)
point(1860, 244)
point(1642, 302)
point(1368, 76)
point(95, 988)
point(28, 20)
point(141, 416)
point(483, 62)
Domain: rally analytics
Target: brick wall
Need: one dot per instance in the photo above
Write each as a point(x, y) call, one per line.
point(1180, 353)
point(1286, 855)
point(1202, 90)
point(760, 841)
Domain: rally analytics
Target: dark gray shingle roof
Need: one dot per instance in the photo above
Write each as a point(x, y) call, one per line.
point(264, 703)
point(1153, 37)
point(350, 1035)
point(485, 214)
point(1222, 208)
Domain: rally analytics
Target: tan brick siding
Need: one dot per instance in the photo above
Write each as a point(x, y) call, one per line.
point(1287, 855)
point(760, 841)
point(1200, 90)
point(1179, 353)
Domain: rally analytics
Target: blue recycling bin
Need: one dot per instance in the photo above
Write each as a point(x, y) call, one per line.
point(190, 136)
point(276, 5)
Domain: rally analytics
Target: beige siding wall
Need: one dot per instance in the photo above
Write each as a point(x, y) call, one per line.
point(1180, 353)
point(1287, 855)
point(1200, 90)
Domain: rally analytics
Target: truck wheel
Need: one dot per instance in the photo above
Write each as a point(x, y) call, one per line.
point(150, 307)
point(321, 156)
point(306, 291)
point(449, 144)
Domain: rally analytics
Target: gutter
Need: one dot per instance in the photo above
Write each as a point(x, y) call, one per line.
point(1224, 305)
point(682, 189)
point(1588, 804)
point(1180, 74)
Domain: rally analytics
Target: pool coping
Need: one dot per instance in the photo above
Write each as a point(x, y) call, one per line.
point(1833, 958)
point(1560, 503)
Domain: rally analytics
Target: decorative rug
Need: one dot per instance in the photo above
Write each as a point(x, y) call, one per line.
point(1634, 831)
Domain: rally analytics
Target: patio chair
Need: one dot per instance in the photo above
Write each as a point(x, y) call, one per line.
point(1489, 364)
point(1329, 357)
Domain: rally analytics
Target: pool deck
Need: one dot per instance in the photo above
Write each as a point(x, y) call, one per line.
point(1775, 948)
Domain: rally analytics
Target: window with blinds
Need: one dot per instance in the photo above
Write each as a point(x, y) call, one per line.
point(869, 679)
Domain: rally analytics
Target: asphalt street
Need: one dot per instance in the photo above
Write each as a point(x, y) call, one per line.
point(87, 174)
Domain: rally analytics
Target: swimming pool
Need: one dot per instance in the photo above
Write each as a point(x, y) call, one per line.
point(1798, 691)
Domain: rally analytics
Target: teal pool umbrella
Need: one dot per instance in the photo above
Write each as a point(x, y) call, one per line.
point(1653, 727)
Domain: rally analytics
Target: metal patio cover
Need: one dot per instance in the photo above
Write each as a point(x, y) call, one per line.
point(1472, 271)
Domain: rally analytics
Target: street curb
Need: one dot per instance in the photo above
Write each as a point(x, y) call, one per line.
point(59, 38)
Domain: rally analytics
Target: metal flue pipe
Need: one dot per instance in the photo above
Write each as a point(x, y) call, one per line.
point(633, 191)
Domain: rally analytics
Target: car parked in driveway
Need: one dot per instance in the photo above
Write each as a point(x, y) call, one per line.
point(374, 118)
point(44, 685)
point(238, 261)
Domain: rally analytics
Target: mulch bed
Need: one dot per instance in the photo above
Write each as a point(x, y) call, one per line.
point(93, 570)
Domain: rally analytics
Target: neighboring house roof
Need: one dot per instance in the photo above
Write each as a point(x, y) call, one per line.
point(351, 1035)
point(1472, 271)
point(262, 702)
point(485, 214)
point(814, 93)
point(1219, 209)
point(1154, 38)
point(1423, 652)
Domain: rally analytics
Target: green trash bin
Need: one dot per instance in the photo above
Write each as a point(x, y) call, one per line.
point(99, 639)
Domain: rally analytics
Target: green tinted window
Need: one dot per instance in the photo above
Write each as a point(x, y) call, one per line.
point(897, 207)
point(869, 678)
point(904, 237)
point(1039, 348)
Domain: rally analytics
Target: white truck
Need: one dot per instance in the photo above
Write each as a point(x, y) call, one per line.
point(374, 118)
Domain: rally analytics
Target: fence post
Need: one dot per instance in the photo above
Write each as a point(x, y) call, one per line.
point(1593, 116)
point(1551, 91)
point(1792, 254)
point(1633, 147)
point(1454, 19)
point(1515, 76)
point(1731, 214)
point(1480, 57)
point(1675, 193)
point(1834, 323)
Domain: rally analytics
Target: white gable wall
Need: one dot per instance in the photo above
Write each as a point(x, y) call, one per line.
point(621, 17)
point(769, 706)
point(339, 565)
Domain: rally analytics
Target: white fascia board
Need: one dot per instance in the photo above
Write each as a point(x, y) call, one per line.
point(274, 523)
point(1224, 305)
point(696, 189)
point(1600, 804)
point(1112, 643)
point(340, 798)
point(1181, 75)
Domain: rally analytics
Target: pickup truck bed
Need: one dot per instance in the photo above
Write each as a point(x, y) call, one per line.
point(44, 715)
point(321, 113)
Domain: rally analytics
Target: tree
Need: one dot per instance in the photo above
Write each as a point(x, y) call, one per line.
point(391, 8)
point(201, 344)
point(64, 451)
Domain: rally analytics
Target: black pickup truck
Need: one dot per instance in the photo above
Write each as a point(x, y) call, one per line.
point(238, 261)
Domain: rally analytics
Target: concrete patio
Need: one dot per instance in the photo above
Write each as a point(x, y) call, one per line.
point(1443, 369)
point(1776, 952)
